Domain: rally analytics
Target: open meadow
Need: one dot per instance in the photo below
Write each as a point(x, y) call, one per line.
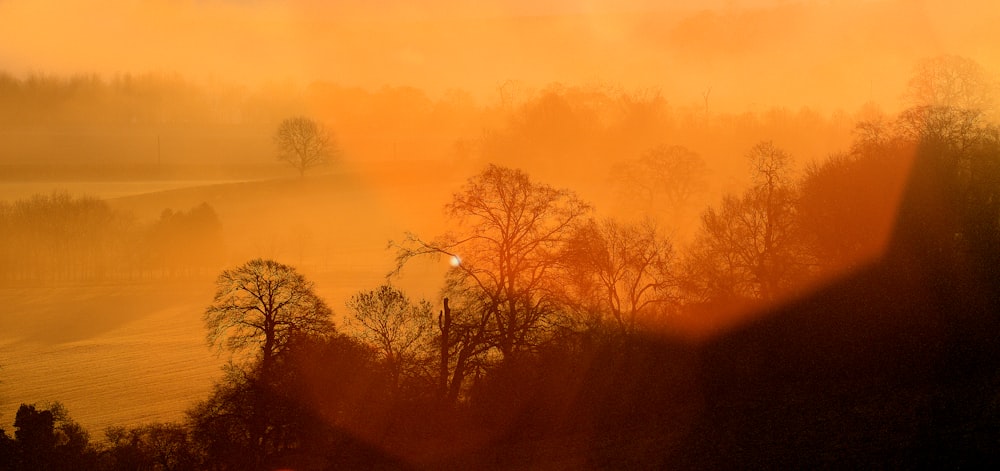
point(134, 352)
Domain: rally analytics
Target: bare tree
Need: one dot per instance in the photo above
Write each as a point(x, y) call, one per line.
point(385, 317)
point(621, 271)
point(749, 246)
point(951, 101)
point(504, 258)
point(662, 183)
point(261, 306)
point(304, 144)
point(951, 124)
point(953, 82)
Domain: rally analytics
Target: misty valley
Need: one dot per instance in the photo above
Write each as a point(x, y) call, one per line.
point(565, 272)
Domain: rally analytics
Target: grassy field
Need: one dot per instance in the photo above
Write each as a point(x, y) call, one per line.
point(124, 354)
point(113, 355)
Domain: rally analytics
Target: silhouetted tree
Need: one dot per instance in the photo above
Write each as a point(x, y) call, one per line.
point(624, 272)
point(963, 165)
point(36, 438)
point(399, 329)
point(464, 340)
point(948, 136)
point(7, 451)
point(250, 423)
point(304, 144)
point(231, 426)
point(504, 258)
point(951, 98)
point(847, 204)
point(260, 306)
point(349, 413)
point(159, 446)
point(749, 247)
point(47, 439)
point(327, 398)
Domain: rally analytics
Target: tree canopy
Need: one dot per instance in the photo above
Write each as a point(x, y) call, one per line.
point(305, 144)
point(260, 306)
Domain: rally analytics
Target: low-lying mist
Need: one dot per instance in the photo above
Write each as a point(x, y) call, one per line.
point(633, 186)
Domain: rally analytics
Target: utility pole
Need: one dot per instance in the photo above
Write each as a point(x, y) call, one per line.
point(705, 95)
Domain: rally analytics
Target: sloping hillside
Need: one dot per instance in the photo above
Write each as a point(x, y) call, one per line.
point(332, 227)
point(103, 349)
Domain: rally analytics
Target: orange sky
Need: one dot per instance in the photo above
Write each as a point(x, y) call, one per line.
point(750, 53)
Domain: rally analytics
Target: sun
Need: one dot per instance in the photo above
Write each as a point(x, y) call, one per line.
point(455, 260)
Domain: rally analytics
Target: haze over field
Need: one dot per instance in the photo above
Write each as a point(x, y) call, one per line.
point(672, 171)
point(750, 53)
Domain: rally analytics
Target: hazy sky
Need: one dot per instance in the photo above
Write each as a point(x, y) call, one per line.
point(750, 53)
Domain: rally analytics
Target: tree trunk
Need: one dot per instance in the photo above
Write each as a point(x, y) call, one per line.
point(444, 323)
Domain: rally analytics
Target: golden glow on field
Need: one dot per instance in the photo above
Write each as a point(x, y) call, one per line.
point(158, 107)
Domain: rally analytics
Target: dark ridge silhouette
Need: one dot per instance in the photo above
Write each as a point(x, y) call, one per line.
point(894, 366)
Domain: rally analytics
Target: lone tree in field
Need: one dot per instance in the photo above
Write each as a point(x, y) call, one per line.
point(263, 305)
point(304, 144)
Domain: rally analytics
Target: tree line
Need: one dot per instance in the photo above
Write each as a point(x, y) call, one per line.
point(120, 118)
point(539, 351)
point(63, 238)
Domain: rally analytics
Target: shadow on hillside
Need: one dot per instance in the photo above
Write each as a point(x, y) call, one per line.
point(895, 365)
point(66, 313)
